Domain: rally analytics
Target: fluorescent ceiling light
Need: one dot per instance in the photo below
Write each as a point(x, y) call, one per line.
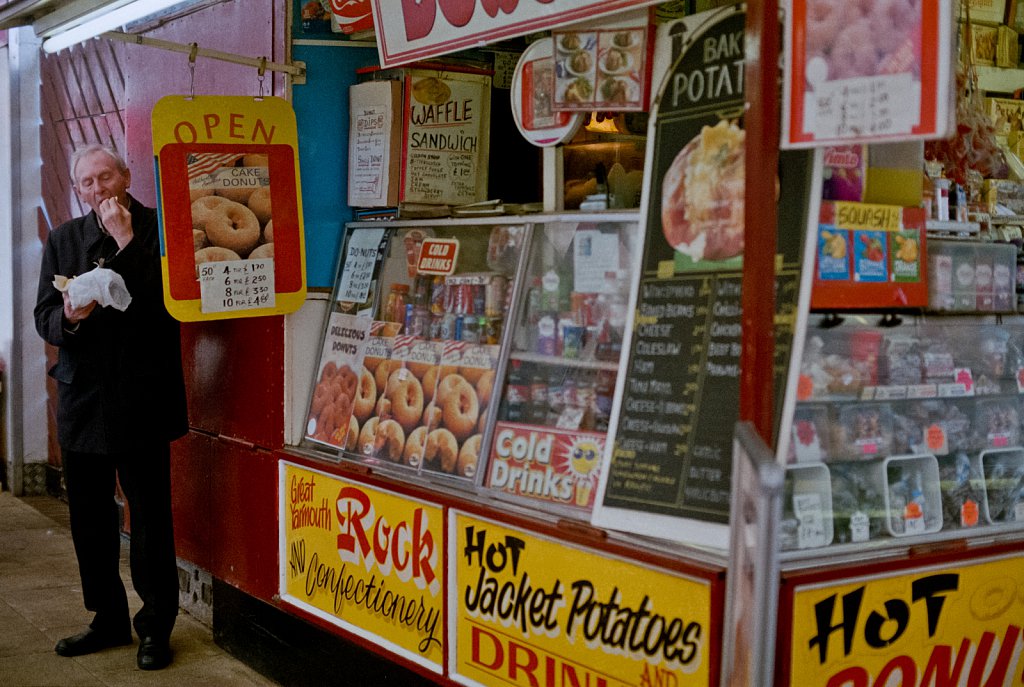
point(104, 18)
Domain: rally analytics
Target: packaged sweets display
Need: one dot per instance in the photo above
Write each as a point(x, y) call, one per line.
point(1004, 485)
point(857, 503)
point(865, 430)
point(919, 422)
point(911, 486)
point(962, 491)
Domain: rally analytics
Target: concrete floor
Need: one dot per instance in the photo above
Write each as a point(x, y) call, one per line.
point(41, 601)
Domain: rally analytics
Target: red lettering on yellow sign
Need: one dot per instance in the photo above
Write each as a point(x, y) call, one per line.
point(238, 126)
point(369, 539)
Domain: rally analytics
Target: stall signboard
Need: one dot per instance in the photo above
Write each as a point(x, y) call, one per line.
point(227, 171)
point(528, 610)
point(954, 624)
point(420, 136)
point(412, 30)
point(367, 560)
point(667, 466)
point(867, 72)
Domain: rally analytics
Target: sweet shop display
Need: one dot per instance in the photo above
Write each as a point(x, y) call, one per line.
point(420, 349)
point(551, 424)
point(914, 428)
point(446, 357)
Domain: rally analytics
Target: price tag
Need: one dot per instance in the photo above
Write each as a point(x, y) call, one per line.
point(233, 285)
point(1018, 511)
point(913, 518)
point(969, 513)
point(811, 530)
point(860, 527)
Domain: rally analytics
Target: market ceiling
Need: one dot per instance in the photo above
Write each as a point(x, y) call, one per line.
point(51, 15)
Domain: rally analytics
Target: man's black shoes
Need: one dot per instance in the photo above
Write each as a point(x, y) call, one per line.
point(91, 641)
point(154, 653)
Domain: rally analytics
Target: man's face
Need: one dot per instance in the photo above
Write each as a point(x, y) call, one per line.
point(98, 178)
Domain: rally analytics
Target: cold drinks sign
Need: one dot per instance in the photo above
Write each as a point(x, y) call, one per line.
point(410, 30)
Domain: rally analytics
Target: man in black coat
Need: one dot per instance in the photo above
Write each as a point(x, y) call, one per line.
point(120, 402)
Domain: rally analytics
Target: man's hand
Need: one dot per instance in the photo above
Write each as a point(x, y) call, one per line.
point(76, 315)
point(117, 220)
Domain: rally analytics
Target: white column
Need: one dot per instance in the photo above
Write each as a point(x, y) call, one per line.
point(20, 255)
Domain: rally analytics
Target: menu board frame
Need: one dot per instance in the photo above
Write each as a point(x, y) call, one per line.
point(642, 500)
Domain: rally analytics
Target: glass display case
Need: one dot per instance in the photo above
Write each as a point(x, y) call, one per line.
point(452, 341)
point(411, 348)
point(906, 428)
point(564, 357)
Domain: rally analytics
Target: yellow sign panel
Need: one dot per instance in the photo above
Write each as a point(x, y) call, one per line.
point(528, 610)
point(367, 560)
point(868, 217)
point(958, 624)
point(230, 206)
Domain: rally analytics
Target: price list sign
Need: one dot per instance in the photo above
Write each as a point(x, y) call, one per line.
point(673, 446)
point(854, 78)
point(236, 285)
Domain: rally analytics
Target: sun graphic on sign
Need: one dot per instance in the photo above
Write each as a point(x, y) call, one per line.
point(584, 456)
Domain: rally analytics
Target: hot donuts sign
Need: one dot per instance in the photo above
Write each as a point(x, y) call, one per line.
point(948, 625)
point(230, 215)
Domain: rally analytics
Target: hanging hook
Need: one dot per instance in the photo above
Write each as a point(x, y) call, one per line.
point(261, 72)
point(192, 70)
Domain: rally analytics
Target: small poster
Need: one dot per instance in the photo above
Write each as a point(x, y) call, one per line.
point(605, 68)
point(230, 206)
point(866, 71)
point(374, 151)
point(361, 255)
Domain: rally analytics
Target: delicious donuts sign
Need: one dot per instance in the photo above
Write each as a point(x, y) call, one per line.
point(230, 210)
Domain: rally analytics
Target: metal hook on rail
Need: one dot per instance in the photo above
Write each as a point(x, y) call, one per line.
point(192, 70)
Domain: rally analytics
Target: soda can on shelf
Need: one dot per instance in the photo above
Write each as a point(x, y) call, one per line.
point(479, 299)
point(470, 329)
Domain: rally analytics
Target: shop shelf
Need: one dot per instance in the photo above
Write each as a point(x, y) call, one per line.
point(909, 480)
point(807, 507)
point(610, 365)
point(1003, 470)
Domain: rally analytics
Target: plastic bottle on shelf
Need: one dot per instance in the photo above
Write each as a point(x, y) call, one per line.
point(394, 304)
point(537, 410)
point(515, 393)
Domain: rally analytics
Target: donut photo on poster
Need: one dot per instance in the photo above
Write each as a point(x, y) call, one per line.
point(230, 197)
point(866, 71)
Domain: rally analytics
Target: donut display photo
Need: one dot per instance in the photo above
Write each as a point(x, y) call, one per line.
point(426, 417)
point(231, 214)
point(331, 417)
point(862, 38)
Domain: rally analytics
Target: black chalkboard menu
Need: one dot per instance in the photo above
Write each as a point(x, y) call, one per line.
point(671, 449)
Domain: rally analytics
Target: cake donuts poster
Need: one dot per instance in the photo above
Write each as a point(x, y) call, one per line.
point(870, 70)
point(230, 206)
point(340, 391)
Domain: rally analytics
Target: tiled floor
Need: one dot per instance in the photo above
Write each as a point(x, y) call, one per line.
point(41, 601)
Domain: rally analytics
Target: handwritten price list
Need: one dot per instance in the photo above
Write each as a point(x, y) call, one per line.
point(233, 285)
point(863, 106)
point(673, 445)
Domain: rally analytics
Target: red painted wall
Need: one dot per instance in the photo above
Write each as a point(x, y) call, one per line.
point(224, 479)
